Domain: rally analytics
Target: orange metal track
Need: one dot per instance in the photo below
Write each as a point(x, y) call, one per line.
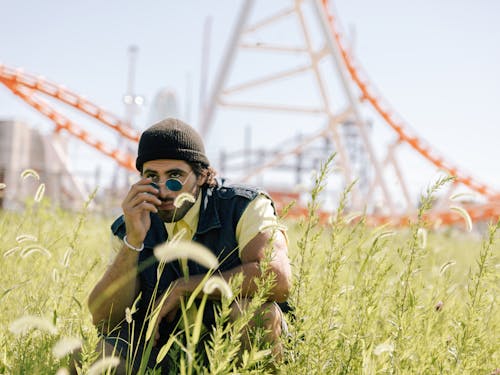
point(491, 209)
point(399, 127)
point(477, 213)
point(28, 88)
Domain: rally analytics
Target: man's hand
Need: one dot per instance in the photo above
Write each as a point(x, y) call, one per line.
point(139, 202)
point(169, 307)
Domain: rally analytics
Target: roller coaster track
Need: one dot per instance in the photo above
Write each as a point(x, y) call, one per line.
point(29, 87)
point(490, 209)
point(390, 117)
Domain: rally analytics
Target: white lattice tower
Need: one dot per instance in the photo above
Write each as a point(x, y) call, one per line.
point(338, 106)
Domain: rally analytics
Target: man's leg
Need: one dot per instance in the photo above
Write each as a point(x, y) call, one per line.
point(106, 349)
point(103, 349)
point(269, 317)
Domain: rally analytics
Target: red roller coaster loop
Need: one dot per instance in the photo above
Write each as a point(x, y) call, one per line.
point(389, 116)
point(28, 88)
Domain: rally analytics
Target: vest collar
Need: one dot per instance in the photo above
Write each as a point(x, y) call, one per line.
point(209, 217)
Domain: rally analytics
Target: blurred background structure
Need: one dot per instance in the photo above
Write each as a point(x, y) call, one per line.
point(289, 85)
point(23, 147)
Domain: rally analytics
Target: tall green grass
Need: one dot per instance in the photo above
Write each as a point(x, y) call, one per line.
point(367, 300)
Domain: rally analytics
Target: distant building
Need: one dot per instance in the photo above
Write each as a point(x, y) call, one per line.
point(165, 104)
point(21, 148)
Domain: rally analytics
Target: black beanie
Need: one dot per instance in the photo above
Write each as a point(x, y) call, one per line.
point(170, 139)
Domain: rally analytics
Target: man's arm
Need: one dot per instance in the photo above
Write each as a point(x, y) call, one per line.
point(254, 253)
point(116, 290)
point(119, 286)
point(251, 256)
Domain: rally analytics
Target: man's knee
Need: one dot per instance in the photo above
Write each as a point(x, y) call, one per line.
point(102, 350)
point(269, 316)
point(272, 318)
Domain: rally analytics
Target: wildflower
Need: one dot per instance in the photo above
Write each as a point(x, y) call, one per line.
point(183, 197)
point(40, 192)
point(103, 365)
point(29, 173)
point(168, 252)
point(66, 345)
point(217, 282)
point(28, 322)
point(462, 212)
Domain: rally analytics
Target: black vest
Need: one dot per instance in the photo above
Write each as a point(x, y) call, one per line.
point(220, 211)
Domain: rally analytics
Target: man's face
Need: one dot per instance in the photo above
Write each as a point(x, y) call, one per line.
point(164, 169)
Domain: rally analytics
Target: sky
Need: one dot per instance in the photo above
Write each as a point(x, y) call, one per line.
point(435, 62)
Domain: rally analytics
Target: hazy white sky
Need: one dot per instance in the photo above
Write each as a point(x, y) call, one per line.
point(435, 61)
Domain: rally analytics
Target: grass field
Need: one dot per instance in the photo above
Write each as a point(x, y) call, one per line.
point(367, 300)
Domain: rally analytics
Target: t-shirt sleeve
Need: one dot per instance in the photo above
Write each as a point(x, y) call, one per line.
point(257, 217)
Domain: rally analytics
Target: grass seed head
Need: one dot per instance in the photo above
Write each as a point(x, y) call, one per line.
point(422, 238)
point(217, 282)
point(128, 315)
point(168, 252)
point(40, 192)
point(25, 237)
point(103, 365)
point(26, 323)
point(383, 348)
point(183, 197)
point(66, 345)
point(55, 275)
point(29, 250)
point(465, 215)
point(67, 257)
point(460, 197)
point(445, 266)
point(30, 173)
point(11, 251)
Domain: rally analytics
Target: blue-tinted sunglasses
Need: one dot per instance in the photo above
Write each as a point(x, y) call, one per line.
point(172, 184)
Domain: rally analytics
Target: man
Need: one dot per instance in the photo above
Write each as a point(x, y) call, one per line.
point(237, 223)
